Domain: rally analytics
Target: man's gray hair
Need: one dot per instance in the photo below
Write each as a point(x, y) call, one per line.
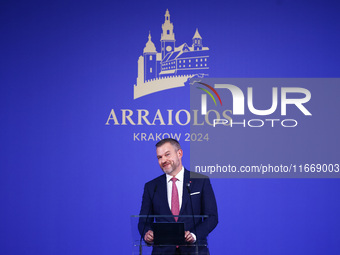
point(172, 141)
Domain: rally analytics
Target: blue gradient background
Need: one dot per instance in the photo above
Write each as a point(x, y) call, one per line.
point(68, 182)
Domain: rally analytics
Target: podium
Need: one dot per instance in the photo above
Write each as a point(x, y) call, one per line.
point(140, 224)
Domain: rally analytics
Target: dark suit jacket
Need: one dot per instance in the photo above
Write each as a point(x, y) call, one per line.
point(155, 202)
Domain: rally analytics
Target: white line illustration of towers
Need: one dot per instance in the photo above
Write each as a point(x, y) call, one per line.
point(172, 66)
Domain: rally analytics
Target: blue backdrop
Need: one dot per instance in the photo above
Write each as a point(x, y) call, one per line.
point(69, 182)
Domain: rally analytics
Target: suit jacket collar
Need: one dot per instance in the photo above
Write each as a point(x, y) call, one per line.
point(185, 197)
point(164, 195)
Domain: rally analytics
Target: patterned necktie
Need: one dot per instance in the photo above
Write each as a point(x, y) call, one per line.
point(174, 199)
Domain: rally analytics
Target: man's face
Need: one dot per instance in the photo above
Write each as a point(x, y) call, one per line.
point(169, 159)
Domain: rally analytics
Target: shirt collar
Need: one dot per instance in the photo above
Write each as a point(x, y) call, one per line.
point(179, 176)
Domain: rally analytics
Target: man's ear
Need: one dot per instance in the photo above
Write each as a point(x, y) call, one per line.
point(180, 153)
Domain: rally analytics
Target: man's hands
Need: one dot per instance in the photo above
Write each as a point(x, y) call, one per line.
point(148, 236)
point(188, 237)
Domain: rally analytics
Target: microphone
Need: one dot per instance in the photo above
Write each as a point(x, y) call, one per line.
point(146, 220)
point(192, 212)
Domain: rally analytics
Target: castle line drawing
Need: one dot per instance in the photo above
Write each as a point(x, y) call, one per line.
point(173, 66)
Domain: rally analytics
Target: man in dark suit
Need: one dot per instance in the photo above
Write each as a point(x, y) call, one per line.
point(169, 194)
